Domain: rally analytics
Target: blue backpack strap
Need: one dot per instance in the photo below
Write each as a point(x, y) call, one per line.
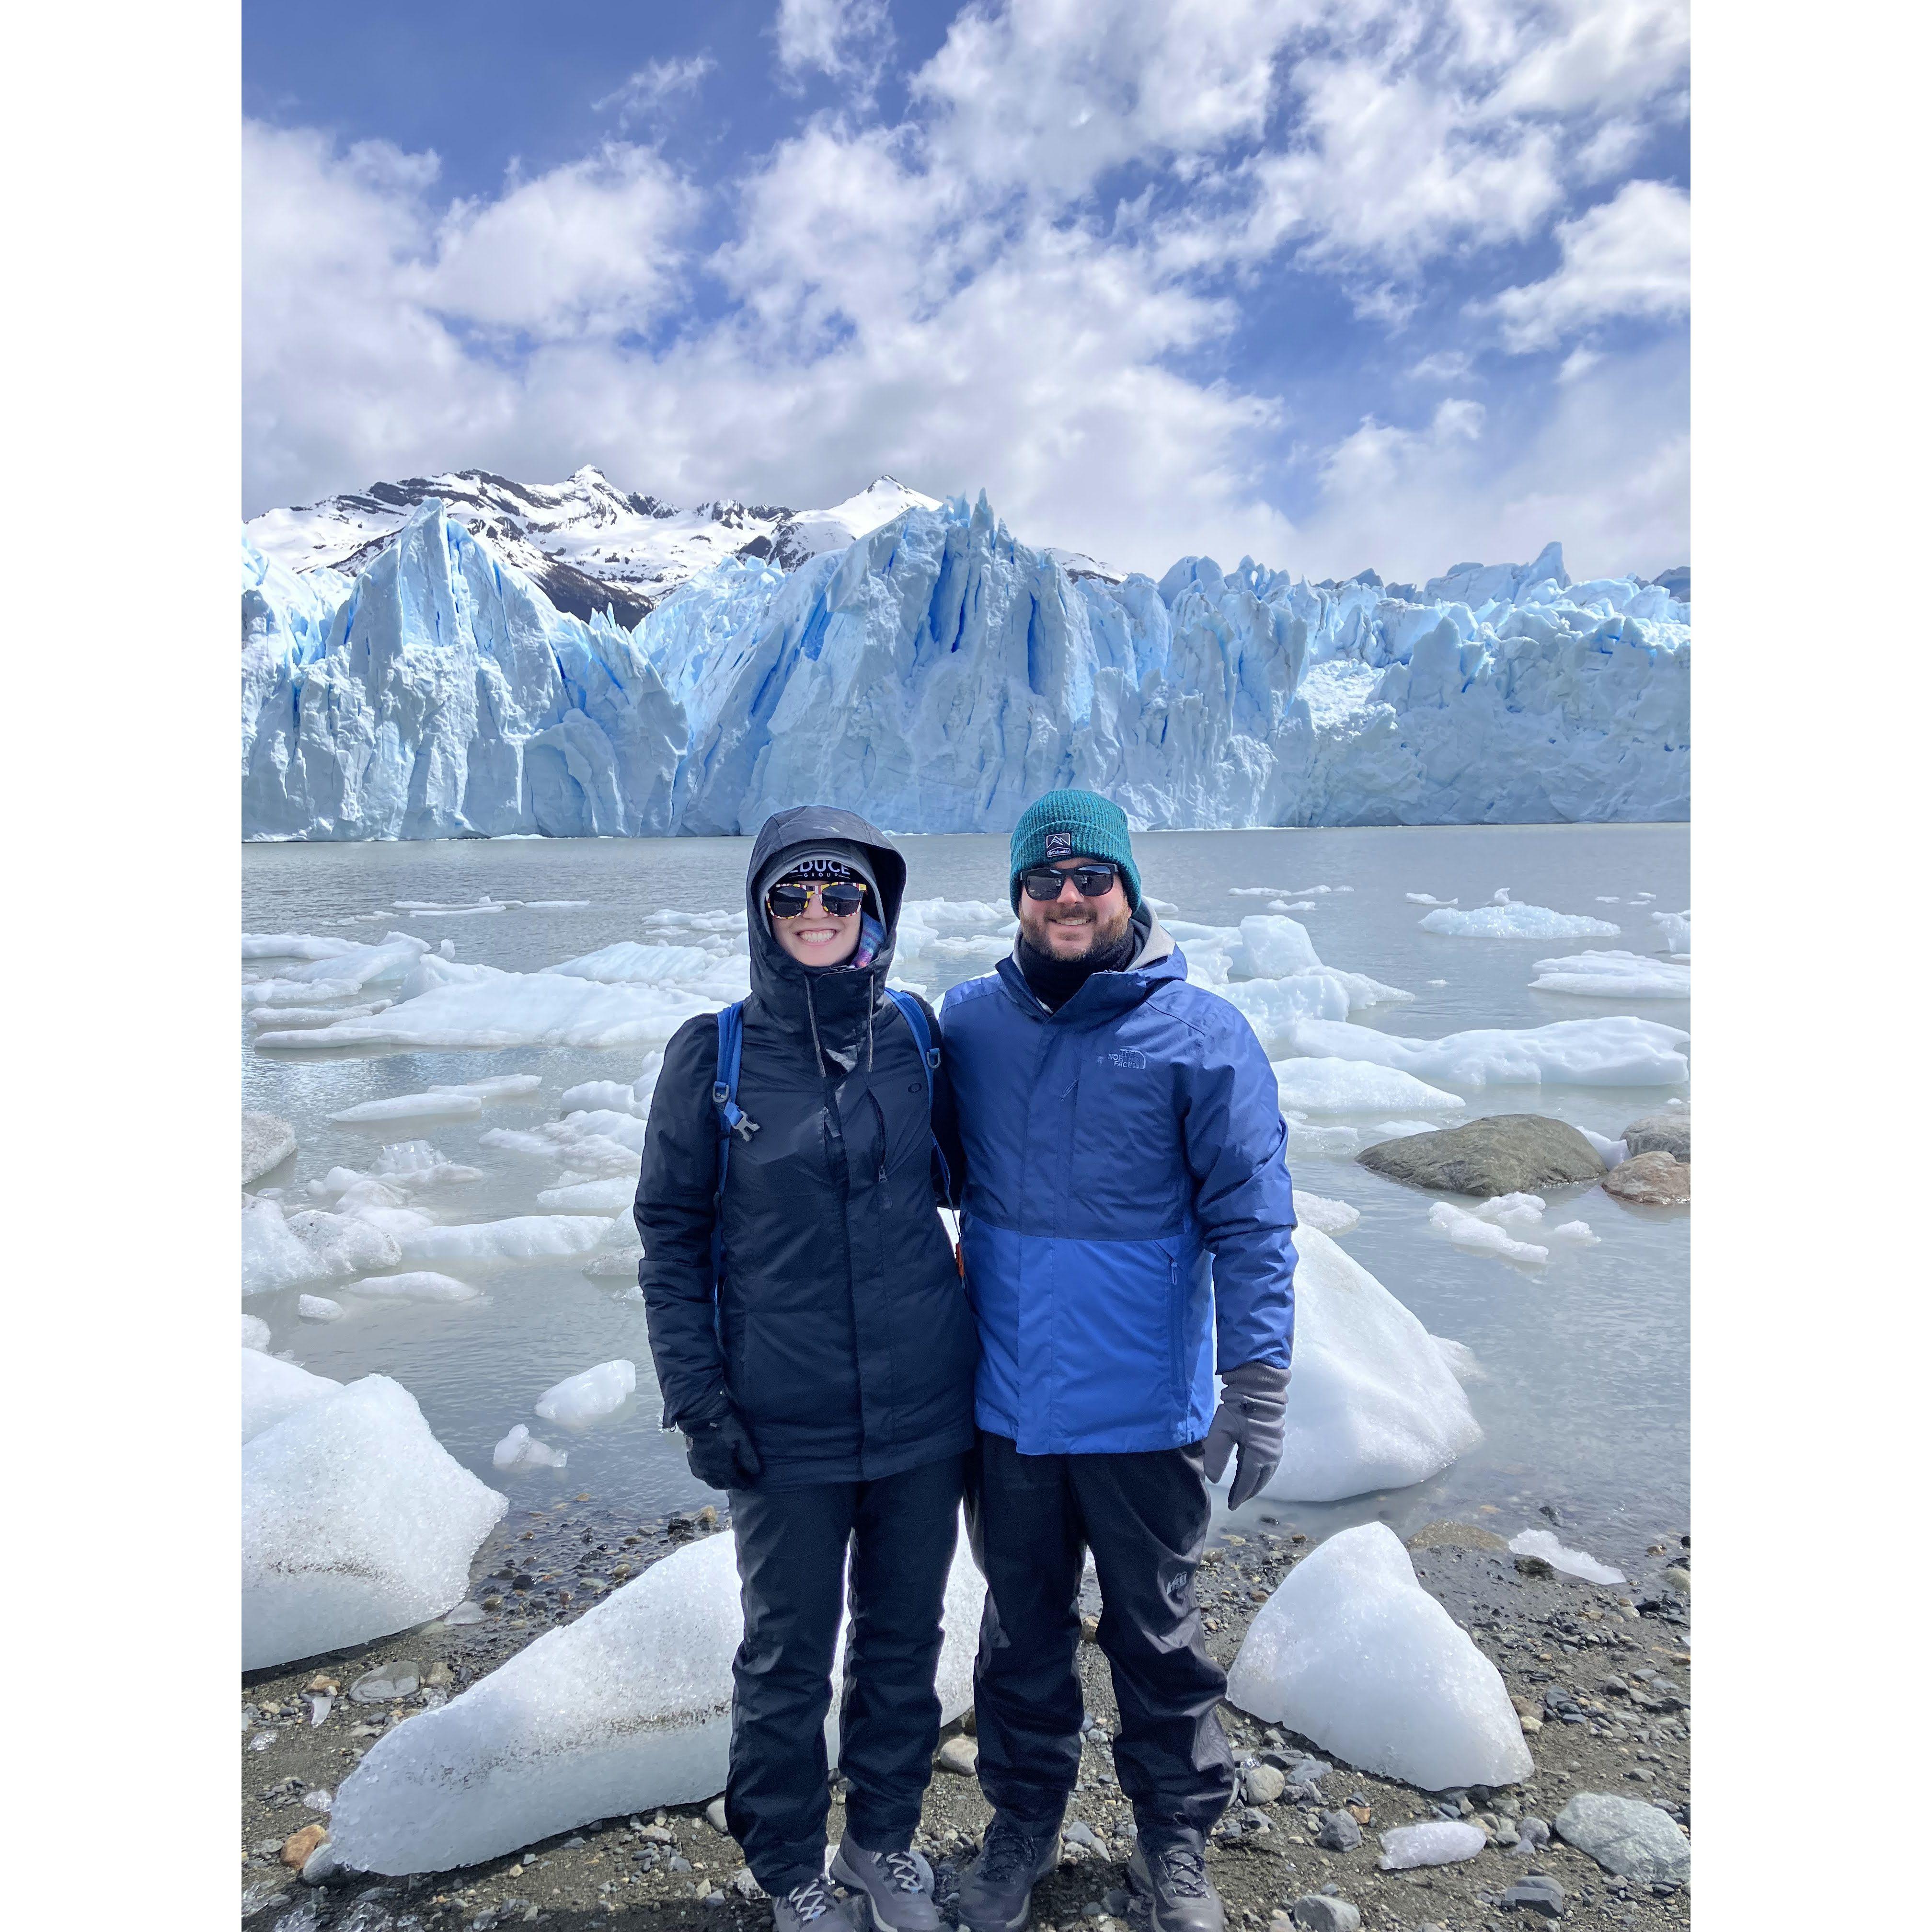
point(928, 1059)
point(732, 1118)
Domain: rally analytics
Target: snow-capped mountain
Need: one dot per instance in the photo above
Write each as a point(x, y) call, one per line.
point(937, 676)
point(589, 546)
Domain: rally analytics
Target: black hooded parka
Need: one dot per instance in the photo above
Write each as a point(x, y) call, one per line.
point(840, 1330)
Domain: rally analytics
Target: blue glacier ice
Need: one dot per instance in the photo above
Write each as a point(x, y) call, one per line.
point(937, 675)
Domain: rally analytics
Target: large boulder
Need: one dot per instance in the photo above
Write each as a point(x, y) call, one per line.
point(1626, 1837)
point(1502, 1153)
point(1661, 1133)
point(1650, 1180)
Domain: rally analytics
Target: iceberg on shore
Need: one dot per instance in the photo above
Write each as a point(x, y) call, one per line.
point(937, 676)
point(627, 1709)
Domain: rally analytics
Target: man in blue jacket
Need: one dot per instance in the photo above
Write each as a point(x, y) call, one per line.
point(1126, 1226)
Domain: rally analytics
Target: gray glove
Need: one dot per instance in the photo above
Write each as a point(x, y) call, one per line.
point(1253, 1400)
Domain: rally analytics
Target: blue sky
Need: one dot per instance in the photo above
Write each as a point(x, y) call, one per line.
point(1397, 283)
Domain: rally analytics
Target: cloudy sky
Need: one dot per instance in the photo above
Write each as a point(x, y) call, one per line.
point(1334, 283)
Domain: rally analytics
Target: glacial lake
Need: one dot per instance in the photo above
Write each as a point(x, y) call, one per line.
point(1583, 1395)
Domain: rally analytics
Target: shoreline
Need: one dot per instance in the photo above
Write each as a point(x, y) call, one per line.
point(1561, 1644)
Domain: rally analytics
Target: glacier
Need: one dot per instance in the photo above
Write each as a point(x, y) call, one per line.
point(937, 675)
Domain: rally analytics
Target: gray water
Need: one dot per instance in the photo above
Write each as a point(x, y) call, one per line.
point(1585, 1404)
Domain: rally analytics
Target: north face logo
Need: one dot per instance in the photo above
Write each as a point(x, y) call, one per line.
point(1060, 845)
point(1129, 1056)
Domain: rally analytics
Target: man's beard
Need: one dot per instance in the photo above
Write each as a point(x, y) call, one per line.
point(1099, 938)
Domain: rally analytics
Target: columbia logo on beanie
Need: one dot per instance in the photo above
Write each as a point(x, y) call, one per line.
point(1073, 825)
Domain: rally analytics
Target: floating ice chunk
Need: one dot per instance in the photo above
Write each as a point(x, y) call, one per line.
point(294, 946)
point(596, 1142)
point(627, 1709)
point(418, 1164)
point(1674, 928)
point(1372, 1405)
point(272, 1390)
point(1608, 899)
point(1614, 1152)
point(272, 1255)
point(345, 973)
point(520, 1237)
point(615, 1095)
point(496, 1086)
point(476, 1007)
point(1571, 1562)
point(1613, 975)
point(1515, 1214)
point(1438, 982)
point(413, 1107)
point(1501, 896)
point(318, 1308)
point(618, 1263)
point(520, 1450)
point(1274, 1007)
point(1484, 1237)
point(1331, 1086)
point(418, 1285)
point(266, 1142)
point(1256, 891)
point(355, 1522)
point(254, 1332)
point(581, 1399)
point(1516, 921)
point(1424, 898)
point(1271, 947)
point(1317, 1210)
point(1461, 1359)
point(1394, 1130)
point(1437, 1841)
point(1613, 1051)
point(1354, 1655)
point(611, 1196)
point(1318, 1143)
point(1291, 905)
point(262, 1018)
point(350, 1243)
point(1577, 1233)
point(627, 963)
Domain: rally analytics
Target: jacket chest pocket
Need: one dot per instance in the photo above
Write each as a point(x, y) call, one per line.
point(1125, 1160)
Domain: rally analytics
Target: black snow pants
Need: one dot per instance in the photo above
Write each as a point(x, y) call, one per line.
point(1144, 1517)
point(902, 1531)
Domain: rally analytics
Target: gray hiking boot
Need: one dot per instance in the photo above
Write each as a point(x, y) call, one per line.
point(996, 1889)
point(896, 1886)
point(812, 1907)
point(1169, 1876)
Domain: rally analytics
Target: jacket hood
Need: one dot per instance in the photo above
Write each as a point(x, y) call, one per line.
point(840, 1001)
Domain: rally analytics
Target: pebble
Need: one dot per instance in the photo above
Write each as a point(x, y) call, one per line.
point(1678, 1580)
point(745, 1885)
point(1339, 1833)
point(1318, 1912)
point(297, 1846)
point(1263, 1784)
point(714, 1816)
point(1077, 1834)
point(960, 1755)
point(1532, 1834)
point(387, 1682)
point(1536, 1894)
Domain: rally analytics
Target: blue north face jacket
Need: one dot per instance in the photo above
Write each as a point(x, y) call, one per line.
point(1125, 1192)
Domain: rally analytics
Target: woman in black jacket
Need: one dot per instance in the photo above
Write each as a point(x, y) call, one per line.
point(825, 1378)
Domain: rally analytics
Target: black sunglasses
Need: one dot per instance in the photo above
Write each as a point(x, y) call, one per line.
point(1090, 882)
point(841, 901)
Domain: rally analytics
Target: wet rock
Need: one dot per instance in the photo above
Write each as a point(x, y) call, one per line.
point(1340, 1832)
point(1661, 1133)
point(1502, 1153)
point(1538, 1568)
point(1678, 1579)
point(1455, 1536)
point(1536, 1894)
point(1318, 1912)
point(1650, 1180)
point(960, 1755)
point(1262, 1784)
point(1626, 1837)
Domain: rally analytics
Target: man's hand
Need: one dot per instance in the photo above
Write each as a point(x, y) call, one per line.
point(1253, 1400)
point(721, 1452)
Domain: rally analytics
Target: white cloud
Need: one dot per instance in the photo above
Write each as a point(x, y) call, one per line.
point(1627, 256)
point(1604, 55)
point(1441, 365)
point(655, 84)
point(845, 39)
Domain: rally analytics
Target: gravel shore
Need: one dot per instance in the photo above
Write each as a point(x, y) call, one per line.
point(1601, 1674)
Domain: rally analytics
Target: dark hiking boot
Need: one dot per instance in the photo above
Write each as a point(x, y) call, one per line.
point(996, 1889)
point(1169, 1876)
point(896, 1886)
point(812, 1907)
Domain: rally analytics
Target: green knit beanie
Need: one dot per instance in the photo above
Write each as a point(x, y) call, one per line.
point(1073, 825)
